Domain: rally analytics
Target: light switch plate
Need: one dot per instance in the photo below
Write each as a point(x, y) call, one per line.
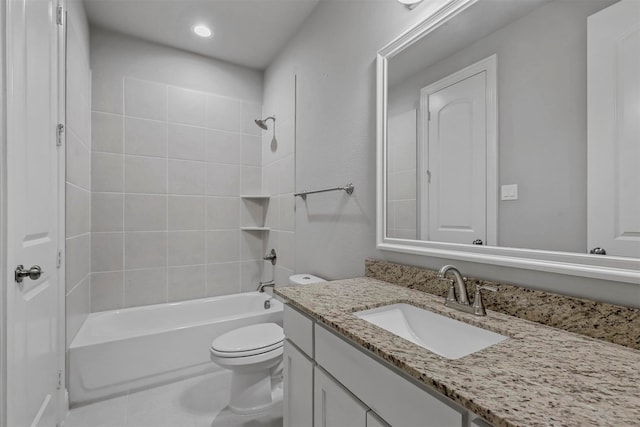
point(509, 192)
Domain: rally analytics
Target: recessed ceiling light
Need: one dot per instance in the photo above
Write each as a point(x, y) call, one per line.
point(410, 4)
point(202, 30)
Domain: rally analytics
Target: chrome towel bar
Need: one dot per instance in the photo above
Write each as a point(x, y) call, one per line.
point(348, 188)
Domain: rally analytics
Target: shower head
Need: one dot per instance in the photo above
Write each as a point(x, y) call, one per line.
point(262, 123)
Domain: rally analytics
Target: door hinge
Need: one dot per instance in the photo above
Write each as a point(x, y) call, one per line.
point(59, 379)
point(428, 116)
point(60, 15)
point(59, 260)
point(59, 133)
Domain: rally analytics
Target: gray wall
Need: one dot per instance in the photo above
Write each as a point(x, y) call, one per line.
point(333, 56)
point(174, 147)
point(78, 171)
point(542, 81)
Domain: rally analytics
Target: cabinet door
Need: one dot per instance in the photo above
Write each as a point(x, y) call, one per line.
point(298, 388)
point(334, 405)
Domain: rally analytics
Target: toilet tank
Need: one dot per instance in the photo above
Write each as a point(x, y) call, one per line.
point(304, 279)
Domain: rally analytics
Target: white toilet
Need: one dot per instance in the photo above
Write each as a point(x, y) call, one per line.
point(254, 354)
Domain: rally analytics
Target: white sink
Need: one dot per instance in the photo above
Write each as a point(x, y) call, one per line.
point(442, 335)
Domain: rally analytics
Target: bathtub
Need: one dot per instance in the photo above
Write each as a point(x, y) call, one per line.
point(121, 350)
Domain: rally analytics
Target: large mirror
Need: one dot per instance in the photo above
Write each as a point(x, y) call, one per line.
point(511, 128)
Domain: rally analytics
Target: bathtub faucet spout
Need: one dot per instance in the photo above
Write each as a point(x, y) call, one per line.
point(267, 284)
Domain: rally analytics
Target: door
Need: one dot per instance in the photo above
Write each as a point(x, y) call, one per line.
point(613, 70)
point(459, 164)
point(33, 327)
point(334, 406)
point(298, 388)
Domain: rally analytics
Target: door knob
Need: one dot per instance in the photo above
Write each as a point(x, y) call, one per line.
point(33, 273)
point(598, 251)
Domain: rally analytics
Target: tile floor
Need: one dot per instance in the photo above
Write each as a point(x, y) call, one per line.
point(194, 402)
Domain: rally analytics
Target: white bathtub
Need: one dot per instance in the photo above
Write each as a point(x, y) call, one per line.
point(134, 348)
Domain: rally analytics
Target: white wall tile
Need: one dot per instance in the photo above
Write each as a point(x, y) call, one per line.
point(187, 213)
point(187, 142)
point(223, 213)
point(251, 245)
point(77, 307)
point(287, 212)
point(78, 163)
point(145, 175)
point(107, 92)
point(145, 249)
point(250, 113)
point(251, 150)
point(144, 212)
point(78, 211)
point(250, 275)
point(187, 177)
point(223, 246)
point(224, 113)
point(252, 212)
point(145, 99)
point(286, 249)
point(144, 287)
point(223, 147)
point(187, 248)
point(107, 132)
point(106, 212)
point(106, 172)
point(187, 106)
point(106, 252)
point(251, 180)
point(223, 180)
point(78, 259)
point(223, 279)
point(145, 137)
point(107, 291)
point(187, 283)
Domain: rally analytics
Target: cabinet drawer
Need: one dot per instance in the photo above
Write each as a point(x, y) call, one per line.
point(298, 328)
point(397, 400)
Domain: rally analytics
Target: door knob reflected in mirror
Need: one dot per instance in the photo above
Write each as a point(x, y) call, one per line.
point(33, 273)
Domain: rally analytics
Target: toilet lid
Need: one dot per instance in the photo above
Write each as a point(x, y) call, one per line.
point(249, 340)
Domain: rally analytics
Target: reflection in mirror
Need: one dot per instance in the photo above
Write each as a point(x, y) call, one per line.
point(490, 128)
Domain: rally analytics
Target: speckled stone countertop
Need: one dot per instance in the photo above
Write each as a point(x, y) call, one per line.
point(541, 376)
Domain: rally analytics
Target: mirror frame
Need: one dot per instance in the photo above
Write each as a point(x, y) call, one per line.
point(619, 269)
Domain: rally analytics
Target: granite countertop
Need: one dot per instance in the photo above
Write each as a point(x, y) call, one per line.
point(541, 376)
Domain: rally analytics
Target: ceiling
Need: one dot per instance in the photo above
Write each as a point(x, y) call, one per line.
point(246, 32)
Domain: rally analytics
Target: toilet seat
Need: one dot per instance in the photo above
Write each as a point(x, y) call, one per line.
point(248, 341)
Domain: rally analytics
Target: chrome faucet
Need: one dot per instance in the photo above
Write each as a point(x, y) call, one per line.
point(267, 284)
point(460, 295)
point(458, 298)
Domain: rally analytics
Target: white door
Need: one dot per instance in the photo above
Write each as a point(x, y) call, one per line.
point(33, 328)
point(459, 160)
point(613, 74)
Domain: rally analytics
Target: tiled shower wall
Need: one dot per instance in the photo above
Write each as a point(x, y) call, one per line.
point(78, 172)
point(168, 168)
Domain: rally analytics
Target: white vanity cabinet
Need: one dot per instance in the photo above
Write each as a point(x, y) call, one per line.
point(332, 382)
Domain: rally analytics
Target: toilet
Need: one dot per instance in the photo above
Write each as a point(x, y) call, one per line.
point(254, 355)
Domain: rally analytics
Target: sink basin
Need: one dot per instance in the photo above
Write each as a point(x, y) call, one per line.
point(442, 335)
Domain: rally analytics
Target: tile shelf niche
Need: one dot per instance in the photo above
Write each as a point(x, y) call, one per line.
point(261, 199)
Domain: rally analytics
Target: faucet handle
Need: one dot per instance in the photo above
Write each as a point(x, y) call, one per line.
point(478, 305)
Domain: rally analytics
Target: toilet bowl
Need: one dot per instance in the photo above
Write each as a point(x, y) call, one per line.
point(254, 355)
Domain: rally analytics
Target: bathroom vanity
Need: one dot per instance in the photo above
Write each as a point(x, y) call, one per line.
point(341, 370)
